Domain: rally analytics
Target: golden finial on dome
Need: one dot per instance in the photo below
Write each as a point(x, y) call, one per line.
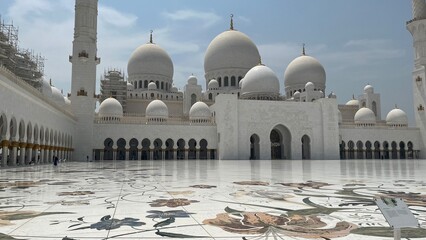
point(150, 37)
point(303, 50)
point(232, 22)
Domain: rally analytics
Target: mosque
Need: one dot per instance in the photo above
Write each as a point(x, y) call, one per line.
point(242, 114)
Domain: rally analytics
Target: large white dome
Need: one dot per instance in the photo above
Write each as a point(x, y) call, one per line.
point(150, 59)
point(352, 102)
point(57, 96)
point(260, 81)
point(231, 50)
point(157, 109)
point(397, 117)
point(110, 107)
point(199, 111)
point(302, 70)
point(364, 116)
point(46, 89)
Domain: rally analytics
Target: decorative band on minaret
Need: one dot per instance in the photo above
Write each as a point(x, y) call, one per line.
point(419, 9)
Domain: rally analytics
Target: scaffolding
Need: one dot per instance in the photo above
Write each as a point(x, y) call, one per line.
point(24, 63)
point(113, 84)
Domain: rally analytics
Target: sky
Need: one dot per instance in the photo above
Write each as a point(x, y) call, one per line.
point(358, 42)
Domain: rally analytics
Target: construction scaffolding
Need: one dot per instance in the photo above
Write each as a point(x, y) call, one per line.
point(113, 84)
point(22, 62)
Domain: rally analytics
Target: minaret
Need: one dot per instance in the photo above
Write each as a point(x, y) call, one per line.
point(84, 60)
point(417, 28)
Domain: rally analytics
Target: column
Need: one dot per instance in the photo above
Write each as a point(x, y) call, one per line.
point(29, 153)
point(114, 154)
point(13, 154)
point(174, 153)
point(36, 153)
point(151, 154)
point(186, 151)
point(22, 153)
point(5, 152)
point(50, 159)
point(41, 154)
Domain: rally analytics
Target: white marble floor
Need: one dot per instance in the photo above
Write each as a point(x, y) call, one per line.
point(209, 199)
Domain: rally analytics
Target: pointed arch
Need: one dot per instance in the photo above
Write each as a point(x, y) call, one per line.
point(280, 138)
point(306, 147)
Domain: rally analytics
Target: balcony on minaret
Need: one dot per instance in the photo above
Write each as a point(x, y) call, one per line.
point(97, 60)
point(420, 108)
point(419, 81)
point(82, 92)
point(83, 56)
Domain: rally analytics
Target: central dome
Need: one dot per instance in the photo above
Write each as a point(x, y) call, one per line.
point(231, 50)
point(150, 59)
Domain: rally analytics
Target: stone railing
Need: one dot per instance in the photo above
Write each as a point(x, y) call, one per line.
point(27, 87)
point(144, 121)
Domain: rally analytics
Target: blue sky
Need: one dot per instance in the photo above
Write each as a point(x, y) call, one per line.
point(358, 42)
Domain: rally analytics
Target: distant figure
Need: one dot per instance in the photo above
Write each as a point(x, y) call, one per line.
point(55, 160)
point(87, 158)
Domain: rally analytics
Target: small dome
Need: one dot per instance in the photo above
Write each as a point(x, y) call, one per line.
point(199, 111)
point(157, 109)
point(213, 84)
point(368, 89)
point(231, 50)
point(46, 89)
point(296, 94)
point(364, 116)
point(352, 102)
point(174, 89)
point(192, 80)
point(152, 86)
point(309, 87)
point(302, 70)
point(397, 117)
point(110, 107)
point(57, 96)
point(260, 80)
point(150, 59)
point(130, 87)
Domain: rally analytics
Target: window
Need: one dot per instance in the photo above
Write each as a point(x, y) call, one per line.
point(233, 81)
point(226, 83)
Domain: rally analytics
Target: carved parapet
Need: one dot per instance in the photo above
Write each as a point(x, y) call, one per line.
point(15, 144)
point(30, 145)
point(22, 145)
point(36, 146)
point(5, 143)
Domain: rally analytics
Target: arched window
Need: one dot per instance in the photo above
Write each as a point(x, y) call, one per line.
point(133, 153)
point(181, 149)
point(219, 80)
point(233, 81)
point(162, 85)
point(306, 147)
point(169, 154)
point(210, 96)
point(140, 83)
point(158, 151)
point(385, 150)
point(193, 99)
point(157, 83)
point(368, 151)
point(135, 84)
point(226, 81)
point(377, 150)
point(145, 84)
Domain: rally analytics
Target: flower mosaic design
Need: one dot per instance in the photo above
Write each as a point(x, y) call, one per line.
point(108, 223)
point(253, 223)
point(252, 183)
point(168, 214)
point(172, 203)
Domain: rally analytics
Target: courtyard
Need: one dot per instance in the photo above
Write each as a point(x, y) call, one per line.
point(209, 199)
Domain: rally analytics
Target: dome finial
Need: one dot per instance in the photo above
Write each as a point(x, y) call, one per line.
point(396, 106)
point(303, 50)
point(150, 37)
point(50, 82)
point(353, 96)
point(232, 21)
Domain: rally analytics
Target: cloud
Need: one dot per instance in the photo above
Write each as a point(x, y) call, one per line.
point(208, 18)
point(114, 17)
point(22, 8)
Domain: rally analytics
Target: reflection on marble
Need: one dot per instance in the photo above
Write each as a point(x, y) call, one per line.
point(209, 199)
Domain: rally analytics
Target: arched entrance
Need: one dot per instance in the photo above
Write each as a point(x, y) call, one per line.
point(410, 151)
point(402, 150)
point(368, 150)
point(376, 150)
point(121, 149)
point(203, 149)
point(145, 149)
point(306, 147)
point(192, 153)
point(385, 150)
point(181, 149)
point(169, 154)
point(254, 147)
point(351, 150)
point(108, 151)
point(280, 138)
point(342, 150)
point(133, 153)
point(158, 153)
point(359, 150)
point(394, 150)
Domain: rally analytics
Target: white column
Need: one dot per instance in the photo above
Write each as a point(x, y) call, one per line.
point(22, 153)
point(5, 153)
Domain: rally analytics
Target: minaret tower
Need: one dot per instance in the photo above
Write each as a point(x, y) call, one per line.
point(417, 28)
point(84, 60)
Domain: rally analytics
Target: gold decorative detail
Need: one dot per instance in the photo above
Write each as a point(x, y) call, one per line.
point(303, 50)
point(232, 22)
point(150, 37)
point(82, 93)
point(83, 54)
point(420, 108)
